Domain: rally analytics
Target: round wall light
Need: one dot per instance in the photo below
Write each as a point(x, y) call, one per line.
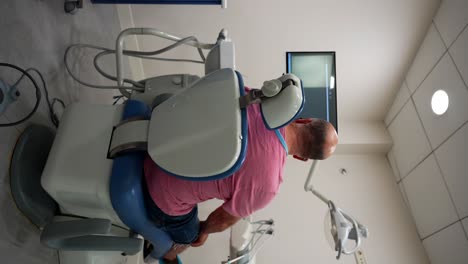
point(440, 102)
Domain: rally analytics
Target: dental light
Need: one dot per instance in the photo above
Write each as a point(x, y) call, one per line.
point(343, 226)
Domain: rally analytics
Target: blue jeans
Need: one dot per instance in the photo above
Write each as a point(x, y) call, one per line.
point(182, 229)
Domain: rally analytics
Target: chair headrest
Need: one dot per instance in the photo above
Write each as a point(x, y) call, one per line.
point(281, 109)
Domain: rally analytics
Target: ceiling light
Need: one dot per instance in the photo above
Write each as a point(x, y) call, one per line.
point(440, 102)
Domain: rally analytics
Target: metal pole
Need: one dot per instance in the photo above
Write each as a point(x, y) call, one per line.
point(310, 187)
point(309, 176)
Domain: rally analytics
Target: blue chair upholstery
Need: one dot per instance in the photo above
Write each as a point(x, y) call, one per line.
point(126, 190)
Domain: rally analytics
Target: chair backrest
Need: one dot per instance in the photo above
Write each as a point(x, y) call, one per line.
point(126, 190)
point(200, 133)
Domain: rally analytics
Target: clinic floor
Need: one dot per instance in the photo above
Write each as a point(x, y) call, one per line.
point(35, 33)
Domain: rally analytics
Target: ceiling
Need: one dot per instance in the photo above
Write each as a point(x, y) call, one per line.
point(375, 41)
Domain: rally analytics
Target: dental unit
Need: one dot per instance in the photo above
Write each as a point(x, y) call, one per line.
point(82, 185)
point(344, 228)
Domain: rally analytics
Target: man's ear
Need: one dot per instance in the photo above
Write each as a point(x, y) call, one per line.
point(300, 158)
point(303, 120)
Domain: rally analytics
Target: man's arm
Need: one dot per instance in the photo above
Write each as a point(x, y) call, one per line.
point(218, 221)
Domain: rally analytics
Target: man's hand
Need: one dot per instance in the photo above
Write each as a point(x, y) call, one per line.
point(202, 237)
point(217, 221)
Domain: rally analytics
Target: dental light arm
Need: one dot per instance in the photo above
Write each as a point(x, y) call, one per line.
point(310, 187)
point(343, 226)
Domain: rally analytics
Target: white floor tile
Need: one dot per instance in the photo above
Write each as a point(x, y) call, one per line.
point(428, 197)
point(448, 246)
point(445, 77)
point(429, 53)
point(410, 145)
point(451, 18)
point(401, 98)
point(459, 52)
point(452, 157)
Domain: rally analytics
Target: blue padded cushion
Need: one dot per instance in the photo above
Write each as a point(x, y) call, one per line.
point(126, 190)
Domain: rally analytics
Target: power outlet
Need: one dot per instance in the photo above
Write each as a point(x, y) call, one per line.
point(360, 257)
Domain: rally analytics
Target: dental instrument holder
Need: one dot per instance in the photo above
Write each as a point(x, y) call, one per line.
point(344, 226)
point(221, 53)
point(244, 247)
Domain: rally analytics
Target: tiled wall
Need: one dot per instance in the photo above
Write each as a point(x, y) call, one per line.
point(430, 153)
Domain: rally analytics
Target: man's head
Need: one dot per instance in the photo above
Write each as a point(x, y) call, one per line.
point(311, 138)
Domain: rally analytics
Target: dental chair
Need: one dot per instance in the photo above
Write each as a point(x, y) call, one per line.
point(82, 186)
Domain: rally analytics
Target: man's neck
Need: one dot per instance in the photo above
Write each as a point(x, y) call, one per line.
point(291, 138)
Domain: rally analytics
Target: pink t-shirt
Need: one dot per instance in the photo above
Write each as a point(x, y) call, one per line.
point(249, 189)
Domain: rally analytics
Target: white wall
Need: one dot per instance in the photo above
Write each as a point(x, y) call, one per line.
point(429, 156)
point(367, 192)
point(363, 138)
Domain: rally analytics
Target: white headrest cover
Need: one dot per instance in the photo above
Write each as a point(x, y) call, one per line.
point(284, 107)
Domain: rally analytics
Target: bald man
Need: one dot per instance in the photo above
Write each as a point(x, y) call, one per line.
point(172, 202)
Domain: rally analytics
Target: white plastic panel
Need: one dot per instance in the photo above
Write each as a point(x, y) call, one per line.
point(241, 233)
point(197, 133)
point(77, 172)
point(166, 84)
point(130, 132)
point(99, 257)
point(220, 57)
